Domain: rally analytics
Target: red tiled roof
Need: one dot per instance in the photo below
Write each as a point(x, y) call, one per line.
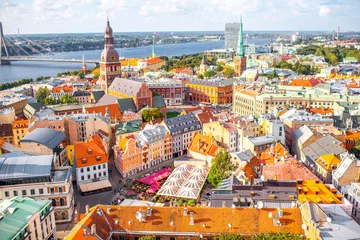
point(154, 61)
point(290, 170)
point(312, 82)
point(89, 151)
point(205, 117)
point(68, 89)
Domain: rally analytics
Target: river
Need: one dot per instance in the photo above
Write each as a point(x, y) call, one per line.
point(20, 70)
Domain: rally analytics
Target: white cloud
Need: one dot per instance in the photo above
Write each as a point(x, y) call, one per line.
point(324, 11)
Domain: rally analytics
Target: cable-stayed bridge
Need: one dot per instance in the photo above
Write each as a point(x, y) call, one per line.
point(24, 53)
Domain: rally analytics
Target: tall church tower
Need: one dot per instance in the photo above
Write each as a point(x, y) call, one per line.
point(110, 66)
point(203, 66)
point(240, 59)
point(153, 54)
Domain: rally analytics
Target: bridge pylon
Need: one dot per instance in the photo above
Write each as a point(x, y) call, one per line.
point(3, 44)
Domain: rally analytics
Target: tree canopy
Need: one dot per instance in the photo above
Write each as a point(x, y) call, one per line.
point(228, 72)
point(151, 113)
point(221, 168)
point(209, 73)
point(147, 238)
point(42, 93)
point(277, 236)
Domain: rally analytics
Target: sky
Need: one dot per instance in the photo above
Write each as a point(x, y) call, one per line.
point(80, 16)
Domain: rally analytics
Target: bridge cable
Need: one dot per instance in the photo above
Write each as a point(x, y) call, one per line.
point(13, 48)
point(18, 46)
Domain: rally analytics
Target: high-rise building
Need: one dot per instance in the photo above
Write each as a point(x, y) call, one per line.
point(110, 66)
point(231, 35)
point(153, 54)
point(240, 59)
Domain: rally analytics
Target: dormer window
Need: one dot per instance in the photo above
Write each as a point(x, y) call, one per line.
point(98, 158)
point(89, 151)
point(83, 160)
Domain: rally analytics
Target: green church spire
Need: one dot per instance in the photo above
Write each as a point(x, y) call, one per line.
point(240, 50)
point(153, 49)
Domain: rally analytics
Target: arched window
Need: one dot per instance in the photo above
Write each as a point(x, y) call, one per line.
point(53, 201)
point(62, 202)
point(63, 215)
point(56, 216)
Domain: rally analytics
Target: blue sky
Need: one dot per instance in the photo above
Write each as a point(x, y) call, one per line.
point(73, 16)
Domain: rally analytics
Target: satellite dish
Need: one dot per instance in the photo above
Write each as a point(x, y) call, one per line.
point(328, 220)
point(138, 215)
point(293, 204)
point(304, 227)
point(270, 215)
point(282, 159)
point(262, 178)
point(260, 204)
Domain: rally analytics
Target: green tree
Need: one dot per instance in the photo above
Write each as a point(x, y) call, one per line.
point(151, 113)
point(42, 93)
point(228, 236)
point(67, 98)
point(80, 74)
point(229, 72)
point(209, 73)
point(200, 76)
point(147, 238)
point(273, 75)
point(221, 168)
point(219, 67)
point(277, 236)
point(50, 101)
point(319, 52)
point(154, 94)
point(96, 76)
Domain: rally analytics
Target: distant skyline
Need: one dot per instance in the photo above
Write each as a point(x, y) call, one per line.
point(83, 16)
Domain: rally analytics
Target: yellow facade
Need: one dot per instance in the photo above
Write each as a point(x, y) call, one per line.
point(20, 130)
point(219, 132)
point(70, 153)
point(211, 94)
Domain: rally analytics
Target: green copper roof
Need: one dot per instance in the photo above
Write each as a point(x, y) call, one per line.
point(16, 212)
point(129, 127)
point(240, 50)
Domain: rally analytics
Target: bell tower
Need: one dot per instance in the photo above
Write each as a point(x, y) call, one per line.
point(110, 67)
point(240, 59)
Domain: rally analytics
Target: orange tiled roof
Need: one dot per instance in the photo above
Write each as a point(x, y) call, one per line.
point(154, 61)
point(204, 144)
point(290, 170)
point(113, 110)
point(98, 141)
point(322, 111)
point(317, 192)
point(20, 123)
point(327, 161)
point(244, 221)
point(312, 82)
point(67, 89)
point(279, 151)
point(89, 151)
point(249, 171)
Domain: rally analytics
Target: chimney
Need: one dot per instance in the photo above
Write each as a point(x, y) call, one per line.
point(87, 210)
point(192, 222)
point(93, 229)
point(149, 211)
point(251, 180)
point(108, 208)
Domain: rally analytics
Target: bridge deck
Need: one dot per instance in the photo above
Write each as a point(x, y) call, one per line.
point(46, 59)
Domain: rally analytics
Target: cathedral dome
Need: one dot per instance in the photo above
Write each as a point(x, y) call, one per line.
point(109, 55)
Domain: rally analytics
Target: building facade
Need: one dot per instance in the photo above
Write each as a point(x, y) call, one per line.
point(214, 91)
point(171, 90)
point(20, 130)
point(225, 133)
point(182, 129)
point(353, 195)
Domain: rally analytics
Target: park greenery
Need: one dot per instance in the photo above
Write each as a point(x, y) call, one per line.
point(172, 114)
point(149, 114)
point(43, 95)
point(147, 238)
point(186, 60)
point(331, 55)
point(297, 67)
point(221, 168)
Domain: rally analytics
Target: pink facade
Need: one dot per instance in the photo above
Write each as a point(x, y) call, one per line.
point(143, 97)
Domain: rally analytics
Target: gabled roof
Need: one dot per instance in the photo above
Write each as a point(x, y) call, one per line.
point(6, 130)
point(154, 61)
point(205, 117)
point(129, 127)
point(45, 136)
point(126, 86)
point(158, 102)
point(182, 124)
point(88, 154)
point(113, 109)
point(81, 93)
point(36, 106)
point(327, 161)
point(126, 104)
point(97, 95)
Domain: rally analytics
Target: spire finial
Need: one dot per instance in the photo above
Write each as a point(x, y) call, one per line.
point(107, 18)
